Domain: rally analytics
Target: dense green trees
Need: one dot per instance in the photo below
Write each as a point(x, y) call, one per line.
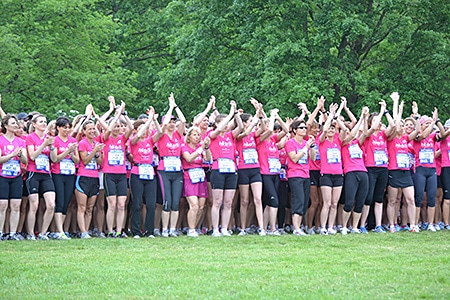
point(59, 54)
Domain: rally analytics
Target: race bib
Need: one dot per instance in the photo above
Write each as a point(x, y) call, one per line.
point(304, 159)
point(116, 157)
point(355, 151)
point(11, 168)
point(67, 167)
point(316, 148)
point(155, 160)
point(92, 165)
point(333, 156)
point(402, 160)
point(380, 157)
point(196, 175)
point(283, 174)
point(274, 165)
point(226, 165)
point(426, 156)
point(172, 164)
point(250, 156)
point(146, 172)
point(42, 163)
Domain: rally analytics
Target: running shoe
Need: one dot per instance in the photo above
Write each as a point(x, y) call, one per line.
point(379, 229)
point(192, 234)
point(431, 228)
point(392, 229)
point(299, 232)
point(43, 237)
point(437, 227)
point(323, 231)
point(62, 236)
point(156, 232)
point(173, 233)
point(216, 233)
point(261, 232)
point(281, 231)
point(332, 231)
point(311, 231)
point(123, 235)
point(363, 230)
point(31, 237)
point(242, 232)
point(85, 235)
point(424, 226)
point(165, 233)
point(111, 235)
point(344, 230)
point(226, 233)
point(397, 227)
point(447, 227)
point(16, 237)
point(404, 228)
point(338, 228)
point(150, 236)
point(355, 230)
point(414, 229)
point(136, 236)
point(441, 225)
point(275, 233)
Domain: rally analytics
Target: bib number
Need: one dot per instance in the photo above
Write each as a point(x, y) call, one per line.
point(196, 175)
point(426, 156)
point(42, 163)
point(116, 157)
point(402, 160)
point(172, 164)
point(380, 157)
point(274, 165)
point(250, 156)
point(11, 168)
point(67, 167)
point(333, 156)
point(226, 165)
point(146, 172)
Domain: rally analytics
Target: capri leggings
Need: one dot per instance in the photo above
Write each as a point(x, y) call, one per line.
point(271, 184)
point(378, 179)
point(283, 202)
point(357, 186)
point(64, 187)
point(142, 189)
point(425, 179)
point(171, 189)
point(300, 188)
point(445, 180)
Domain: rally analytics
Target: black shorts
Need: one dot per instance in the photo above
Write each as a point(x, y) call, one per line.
point(115, 184)
point(39, 183)
point(400, 179)
point(87, 185)
point(314, 176)
point(248, 176)
point(223, 181)
point(331, 180)
point(439, 182)
point(11, 188)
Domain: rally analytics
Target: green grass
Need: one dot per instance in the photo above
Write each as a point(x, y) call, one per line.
point(397, 266)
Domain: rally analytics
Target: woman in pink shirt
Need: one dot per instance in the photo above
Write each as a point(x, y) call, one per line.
point(298, 151)
point(331, 179)
point(223, 173)
point(12, 153)
point(87, 181)
point(374, 141)
point(142, 179)
point(169, 169)
point(445, 175)
point(194, 152)
point(400, 180)
point(39, 181)
point(425, 178)
point(114, 172)
point(63, 171)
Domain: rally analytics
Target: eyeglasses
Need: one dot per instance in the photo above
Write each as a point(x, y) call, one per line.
point(301, 127)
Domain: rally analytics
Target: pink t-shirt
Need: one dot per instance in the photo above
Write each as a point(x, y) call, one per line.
point(91, 169)
point(300, 168)
point(330, 156)
point(445, 153)
point(223, 150)
point(11, 168)
point(352, 157)
point(193, 171)
point(170, 152)
point(114, 154)
point(398, 153)
point(66, 166)
point(314, 165)
point(268, 155)
point(424, 152)
point(142, 153)
point(375, 150)
point(42, 163)
point(248, 156)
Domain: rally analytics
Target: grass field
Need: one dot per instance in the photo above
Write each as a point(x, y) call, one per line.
point(383, 266)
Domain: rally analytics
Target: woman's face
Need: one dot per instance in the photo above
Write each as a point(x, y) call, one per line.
point(40, 124)
point(409, 127)
point(204, 124)
point(64, 131)
point(314, 130)
point(331, 131)
point(301, 130)
point(194, 137)
point(90, 131)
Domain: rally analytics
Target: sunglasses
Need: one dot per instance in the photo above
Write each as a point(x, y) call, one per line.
point(301, 127)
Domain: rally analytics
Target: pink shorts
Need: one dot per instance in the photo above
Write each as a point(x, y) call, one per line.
point(199, 189)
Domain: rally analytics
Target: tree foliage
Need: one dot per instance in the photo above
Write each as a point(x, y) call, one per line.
point(57, 55)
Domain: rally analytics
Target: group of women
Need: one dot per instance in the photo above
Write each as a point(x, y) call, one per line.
point(234, 170)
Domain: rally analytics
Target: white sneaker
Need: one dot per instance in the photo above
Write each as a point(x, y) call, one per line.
point(344, 230)
point(431, 228)
point(216, 233)
point(323, 231)
point(165, 233)
point(137, 236)
point(299, 232)
point(225, 233)
point(437, 227)
point(311, 231)
point(85, 235)
point(331, 231)
point(261, 232)
point(192, 234)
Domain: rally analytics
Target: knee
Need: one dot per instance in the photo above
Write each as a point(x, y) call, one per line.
point(3, 206)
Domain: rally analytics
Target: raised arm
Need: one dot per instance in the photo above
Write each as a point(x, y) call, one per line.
point(202, 115)
point(223, 124)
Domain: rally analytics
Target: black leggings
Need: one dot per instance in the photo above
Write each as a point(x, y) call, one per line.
point(378, 179)
point(171, 188)
point(356, 188)
point(425, 178)
point(271, 183)
point(64, 187)
point(283, 193)
point(300, 188)
point(140, 189)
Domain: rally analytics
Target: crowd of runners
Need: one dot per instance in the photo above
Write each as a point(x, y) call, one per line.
point(326, 171)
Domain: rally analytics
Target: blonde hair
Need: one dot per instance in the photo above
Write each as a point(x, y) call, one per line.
point(189, 132)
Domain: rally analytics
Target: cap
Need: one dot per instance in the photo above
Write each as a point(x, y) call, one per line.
point(143, 116)
point(424, 119)
point(21, 115)
point(171, 117)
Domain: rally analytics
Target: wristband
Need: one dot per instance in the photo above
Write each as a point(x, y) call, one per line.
point(438, 121)
point(214, 109)
point(176, 106)
point(416, 118)
point(199, 151)
point(97, 155)
point(312, 146)
point(386, 112)
point(52, 148)
point(124, 113)
point(207, 148)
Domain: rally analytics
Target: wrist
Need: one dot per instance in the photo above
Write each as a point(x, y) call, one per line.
point(385, 112)
point(199, 150)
